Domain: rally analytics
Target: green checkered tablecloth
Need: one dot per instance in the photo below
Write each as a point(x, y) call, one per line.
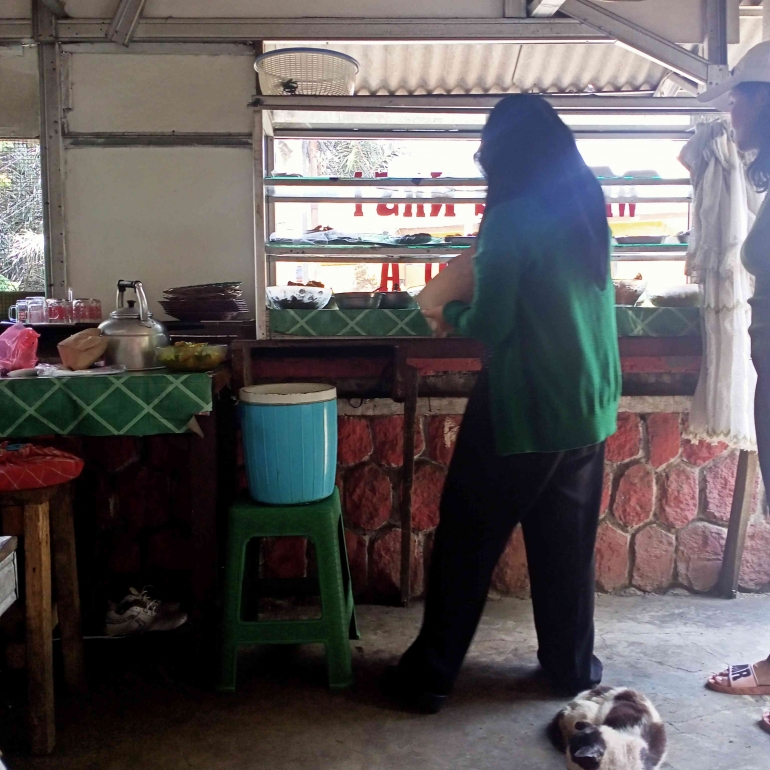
point(136, 404)
point(632, 322)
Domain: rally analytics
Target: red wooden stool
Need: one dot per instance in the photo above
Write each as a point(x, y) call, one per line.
point(36, 481)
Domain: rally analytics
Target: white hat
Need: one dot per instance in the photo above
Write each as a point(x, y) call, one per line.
point(754, 67)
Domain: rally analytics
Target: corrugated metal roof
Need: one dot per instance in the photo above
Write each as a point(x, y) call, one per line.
point(492, 68)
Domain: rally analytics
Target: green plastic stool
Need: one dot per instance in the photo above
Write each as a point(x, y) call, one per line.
point(322, 524)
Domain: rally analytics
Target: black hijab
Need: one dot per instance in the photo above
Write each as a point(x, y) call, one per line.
point(526, 149)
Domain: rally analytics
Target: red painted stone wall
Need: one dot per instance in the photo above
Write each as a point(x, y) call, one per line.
point(664, 514)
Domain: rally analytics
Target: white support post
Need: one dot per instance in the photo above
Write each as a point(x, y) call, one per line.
point(544, 8)
point(643, 41)
point(716, 31)
point(124, 22)
point(766, 20)
point(269, 203)
point(515, 9)
point(51, 149)
point(260, 230)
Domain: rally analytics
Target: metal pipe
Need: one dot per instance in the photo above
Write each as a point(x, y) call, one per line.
point(716, 31)
point(578, 104)
point(51, 150)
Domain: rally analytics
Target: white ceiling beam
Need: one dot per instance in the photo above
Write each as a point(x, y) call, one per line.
point(544, 8)
point(644, 42)
point(150, 30)
point(15, 30)
point(124, 21)
point(578, 104)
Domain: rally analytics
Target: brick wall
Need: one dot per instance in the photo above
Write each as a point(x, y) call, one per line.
point(664, 514)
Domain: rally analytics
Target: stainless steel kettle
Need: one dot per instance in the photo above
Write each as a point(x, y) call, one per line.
point(132, 333)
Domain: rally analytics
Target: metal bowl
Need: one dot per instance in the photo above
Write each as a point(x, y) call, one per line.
point(396, 300)
point(358, 300)
point(297, 297)
point(641, 240)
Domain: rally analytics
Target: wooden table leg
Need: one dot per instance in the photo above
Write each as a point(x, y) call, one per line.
point(66, 587)
point(37, 558)
point(203, 521)
point(411, 390)
point(745, 483)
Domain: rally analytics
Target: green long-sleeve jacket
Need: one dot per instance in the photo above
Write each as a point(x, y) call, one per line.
point(555, 376)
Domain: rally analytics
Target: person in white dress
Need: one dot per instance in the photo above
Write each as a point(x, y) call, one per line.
point(746, 95)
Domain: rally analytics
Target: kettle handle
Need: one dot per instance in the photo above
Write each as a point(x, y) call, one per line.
point(144, 312)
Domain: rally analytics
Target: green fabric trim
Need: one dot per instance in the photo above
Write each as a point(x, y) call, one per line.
point(136, 404)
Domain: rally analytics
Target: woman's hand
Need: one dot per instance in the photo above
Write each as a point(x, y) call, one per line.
point(435, 318)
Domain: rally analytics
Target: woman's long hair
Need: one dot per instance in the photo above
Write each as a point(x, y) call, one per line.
point(759, 168)
point(526, 149)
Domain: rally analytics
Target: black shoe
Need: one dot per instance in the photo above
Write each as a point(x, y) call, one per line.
point(396, 686)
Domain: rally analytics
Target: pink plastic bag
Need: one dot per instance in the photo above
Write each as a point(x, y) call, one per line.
point(18, 348)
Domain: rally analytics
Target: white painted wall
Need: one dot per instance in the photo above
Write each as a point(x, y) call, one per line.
point(19, 93)
point(167, 217)
point(16, 9)
point(162, 93)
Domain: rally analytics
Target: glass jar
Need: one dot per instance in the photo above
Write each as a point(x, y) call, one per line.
point(95, 310)
point(57, 311)
point(18, 312)
point(36, 310)
point(81, 311)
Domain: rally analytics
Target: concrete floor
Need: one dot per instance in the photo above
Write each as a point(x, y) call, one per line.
point(283, 718)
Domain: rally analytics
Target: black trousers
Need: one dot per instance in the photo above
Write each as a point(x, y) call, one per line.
point(760, 355)
point(556, 497)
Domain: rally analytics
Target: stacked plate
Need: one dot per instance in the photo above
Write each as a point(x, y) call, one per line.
point(205, 302)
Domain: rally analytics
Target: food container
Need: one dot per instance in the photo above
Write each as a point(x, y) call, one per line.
point(396, 300)
point(641, 240)
point(82, 350)
point(289, 442)
point(686, 295)
point(628, 291)
point(191, 356)
point(359, 300)
point(298, 297)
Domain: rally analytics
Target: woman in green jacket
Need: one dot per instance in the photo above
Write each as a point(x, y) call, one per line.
point(531, 446)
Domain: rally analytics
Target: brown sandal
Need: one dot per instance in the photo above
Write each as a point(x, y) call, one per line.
point(741, 680)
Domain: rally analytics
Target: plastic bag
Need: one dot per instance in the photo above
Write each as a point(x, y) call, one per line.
point(18, 348)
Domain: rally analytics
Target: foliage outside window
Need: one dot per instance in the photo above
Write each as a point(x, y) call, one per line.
point(22, 261)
